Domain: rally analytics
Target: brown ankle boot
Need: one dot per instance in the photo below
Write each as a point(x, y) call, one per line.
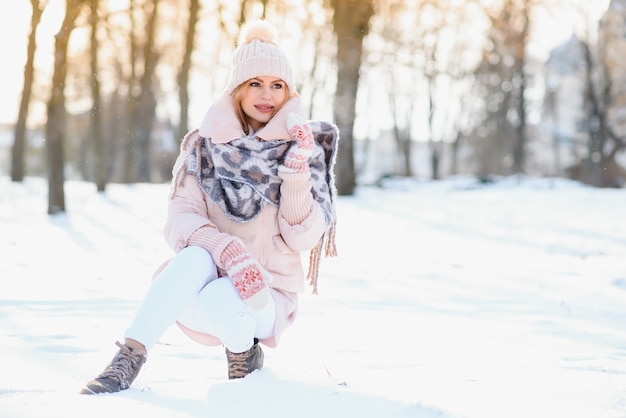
point(242, 364)
point(119, 374)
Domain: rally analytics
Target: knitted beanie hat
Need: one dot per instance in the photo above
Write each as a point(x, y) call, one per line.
point(257, 55)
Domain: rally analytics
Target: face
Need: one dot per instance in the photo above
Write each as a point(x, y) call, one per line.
point(261, 98)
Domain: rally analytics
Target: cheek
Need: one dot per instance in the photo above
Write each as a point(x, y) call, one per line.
point(246, 102)
point(279, 97)
point(247, 95)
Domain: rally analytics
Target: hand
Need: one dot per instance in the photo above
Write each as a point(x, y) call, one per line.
point(296, 160)
point(248, 276)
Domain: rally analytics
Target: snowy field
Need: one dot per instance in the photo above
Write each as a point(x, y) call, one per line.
point(448, 299)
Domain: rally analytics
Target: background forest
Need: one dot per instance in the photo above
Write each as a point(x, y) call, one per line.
point(418, 88)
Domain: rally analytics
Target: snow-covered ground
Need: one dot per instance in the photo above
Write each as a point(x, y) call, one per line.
point(448, 299)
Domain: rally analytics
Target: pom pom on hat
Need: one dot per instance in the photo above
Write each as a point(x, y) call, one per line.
point(258, 29)
point(258, 55)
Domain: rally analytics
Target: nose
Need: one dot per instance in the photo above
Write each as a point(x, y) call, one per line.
point(265, 93)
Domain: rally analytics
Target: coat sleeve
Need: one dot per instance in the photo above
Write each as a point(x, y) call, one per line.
point(300, 218)
point(186, 213)
point(305, 235)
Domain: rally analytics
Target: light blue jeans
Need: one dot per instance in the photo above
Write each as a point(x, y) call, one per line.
point(188, 290)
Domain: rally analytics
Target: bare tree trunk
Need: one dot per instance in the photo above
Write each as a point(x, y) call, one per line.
point(132, 105)
point(501, 142)
point(454, 157)
point(351, 24)
point(519, 150)
point(183, 76)
point(242, 13)
point(434, 150)
point(147, 102)
point(402, 137)
point(141, 100)
point(597, 121)
point(264, 13)
point(100, 154)
point(55, 127)
point(19, 146)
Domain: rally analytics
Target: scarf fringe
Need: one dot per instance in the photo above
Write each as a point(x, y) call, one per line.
point(314, 265)
point(330, 250)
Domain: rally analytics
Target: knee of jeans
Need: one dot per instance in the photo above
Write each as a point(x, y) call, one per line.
point(192, 266)
point(224, 314)
point(219, 297)
point(198, 259)
point(195, 253)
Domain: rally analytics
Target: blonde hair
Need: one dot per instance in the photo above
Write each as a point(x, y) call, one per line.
point(241, 115)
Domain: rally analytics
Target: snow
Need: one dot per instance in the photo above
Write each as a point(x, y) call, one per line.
point(448, 299)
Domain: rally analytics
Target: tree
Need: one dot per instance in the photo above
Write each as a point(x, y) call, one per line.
point(585, 95)
point(101, 172)
point(147, 96)
point(351, 24)
point(607, 122)
point(185, 68)
point(55, 125)
point(19, 146)
point(128, 139)
point(141, 95)
point(519, 66)
point(424, 53)
point(401, 52)
point(500, 140)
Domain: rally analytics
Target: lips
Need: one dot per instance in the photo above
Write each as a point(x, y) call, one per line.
point(264, 108)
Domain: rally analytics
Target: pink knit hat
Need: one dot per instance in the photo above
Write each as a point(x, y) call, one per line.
point(257, 55)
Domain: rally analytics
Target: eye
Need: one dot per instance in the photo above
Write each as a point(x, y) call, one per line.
point(278, 86)
point(254, 84)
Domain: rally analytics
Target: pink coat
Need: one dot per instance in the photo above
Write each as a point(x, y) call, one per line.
point(273, 241)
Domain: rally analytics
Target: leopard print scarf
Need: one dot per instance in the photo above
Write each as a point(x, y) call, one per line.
point(241, 177)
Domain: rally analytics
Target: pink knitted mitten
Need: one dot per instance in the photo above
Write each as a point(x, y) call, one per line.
point(246, 274)
point(296, 160)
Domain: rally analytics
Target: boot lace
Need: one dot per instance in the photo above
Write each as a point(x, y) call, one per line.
point(238, 364)
point(123, 367)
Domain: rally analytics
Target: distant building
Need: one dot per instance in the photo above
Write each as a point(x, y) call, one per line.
point(564, 115)
point(586, 85)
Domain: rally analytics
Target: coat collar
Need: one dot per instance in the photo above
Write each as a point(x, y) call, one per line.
point(221, 123)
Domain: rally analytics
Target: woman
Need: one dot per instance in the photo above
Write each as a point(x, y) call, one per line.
point(251, 189)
